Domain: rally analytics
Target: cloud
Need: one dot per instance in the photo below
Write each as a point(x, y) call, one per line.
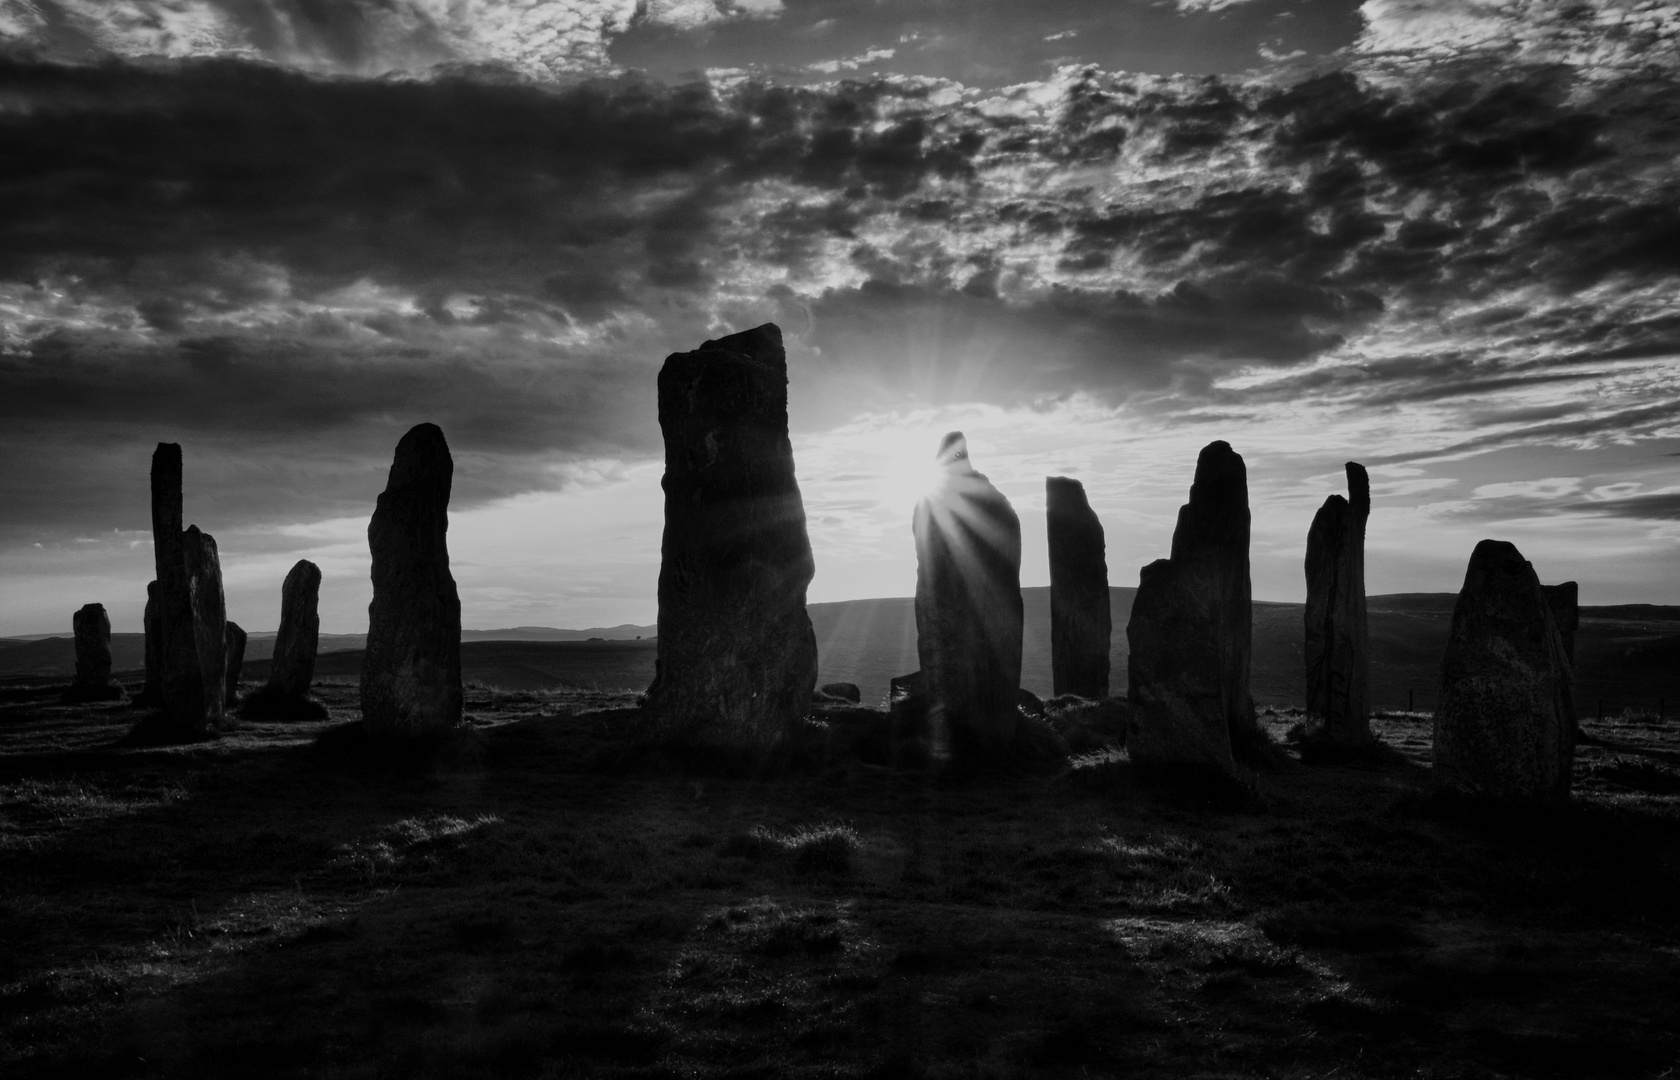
point(1207, 6)
point(542, 38)
point(1594, 35)
point(290, 267)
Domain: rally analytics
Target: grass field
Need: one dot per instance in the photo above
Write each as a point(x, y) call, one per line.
point(244, 907)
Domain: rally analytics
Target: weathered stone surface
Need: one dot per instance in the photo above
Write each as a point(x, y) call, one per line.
point(844, 691)
point(235, 660)
point(1191, 632)
point(93, 656)
point(166, 510)
point(968, 608)
point(190, 616)
point(293, 670)
point(1080, 621)
point(411, 671)
point(207, 692)
point(180, 690)
point(737, 659)
point(1565, 602)
point(1504, 721)
point(1337, 643)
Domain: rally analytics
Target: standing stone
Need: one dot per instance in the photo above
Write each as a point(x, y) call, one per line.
point(1337, 642)
point(286, 694)
point(235, 660)
point(293, 671)
point(199, 689)
point(191, 617)
point(737, 659)
point(411, 671)
point(1080, 621)
point(177, 650)
point(968, 608)
point(93, 656)
point(1191, 631)
point(1565, 602)
point(1504, 722)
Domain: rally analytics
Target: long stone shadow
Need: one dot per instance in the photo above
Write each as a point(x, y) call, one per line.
point(276, 918)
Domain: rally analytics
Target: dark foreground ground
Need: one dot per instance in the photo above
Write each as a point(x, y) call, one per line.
point(244, 908)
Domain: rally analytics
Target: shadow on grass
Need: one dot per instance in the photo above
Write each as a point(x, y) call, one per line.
point(352, 748)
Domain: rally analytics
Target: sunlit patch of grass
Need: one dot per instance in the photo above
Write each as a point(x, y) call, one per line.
point(1636, 775)
point(29, 807)
point(1184, 891)
point(812, 849)
point(393, 847)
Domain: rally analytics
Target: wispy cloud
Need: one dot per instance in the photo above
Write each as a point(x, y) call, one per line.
point(1426, 262)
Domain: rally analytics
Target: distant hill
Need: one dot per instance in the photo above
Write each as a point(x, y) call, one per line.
point(1625, 655)
point(520, 665)
point(622, 632)
point(57, 655)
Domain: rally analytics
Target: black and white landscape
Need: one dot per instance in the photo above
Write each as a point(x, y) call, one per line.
point(843, 538)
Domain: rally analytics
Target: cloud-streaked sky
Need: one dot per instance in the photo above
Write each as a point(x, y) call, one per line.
point(1441, 238)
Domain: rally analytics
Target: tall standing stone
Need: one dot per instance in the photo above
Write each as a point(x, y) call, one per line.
point(195, 693)
point(176, 651)
point(737, 658)
point(1504, 721)
point(191, 616)
point(411, 671)
point(968, 607)
point(293, 670)
point(93, 656)
point(1080, 620)
point(1191, 630)
point(235, 660)
point(1337, 641)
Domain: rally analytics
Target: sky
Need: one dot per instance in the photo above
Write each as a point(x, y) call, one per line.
point(1439, 238)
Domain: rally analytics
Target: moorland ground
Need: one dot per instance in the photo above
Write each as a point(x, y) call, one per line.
point(537, 905)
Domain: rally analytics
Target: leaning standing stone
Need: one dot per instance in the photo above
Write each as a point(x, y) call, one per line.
point(1080, 620)
point(1191, 630)
point(93, 656)
point(968, 608)
point(1337, 647)
point(1504, 726)
point(235, 660)
point(411, 671)
point(737, 659)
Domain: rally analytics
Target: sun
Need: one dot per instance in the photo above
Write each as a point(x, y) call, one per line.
point(909, 470)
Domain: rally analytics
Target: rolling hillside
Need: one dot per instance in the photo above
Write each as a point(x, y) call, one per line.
point(1625, 656)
